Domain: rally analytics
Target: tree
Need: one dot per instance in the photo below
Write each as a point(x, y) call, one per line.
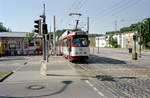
point(3, 29)
point(30, 37)
point(112, 32)
point(113, 42)
point(60, 32)
point(145, 32)
point(125, 29)
point(95, 35)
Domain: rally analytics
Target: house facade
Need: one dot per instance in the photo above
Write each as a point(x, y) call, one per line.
point(125, 40)
point(14, 43)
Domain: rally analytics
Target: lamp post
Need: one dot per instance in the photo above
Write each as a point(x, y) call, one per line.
point(98, 45)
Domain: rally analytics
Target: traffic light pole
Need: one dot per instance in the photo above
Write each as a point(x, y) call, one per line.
point(44, 32)
point(54, 36)
point(44, 36)
point(44, 48)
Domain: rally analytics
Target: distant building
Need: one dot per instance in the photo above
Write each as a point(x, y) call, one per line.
point(125, 40)
point(101, 41)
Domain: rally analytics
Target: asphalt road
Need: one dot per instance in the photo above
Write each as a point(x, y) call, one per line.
point(111, 73)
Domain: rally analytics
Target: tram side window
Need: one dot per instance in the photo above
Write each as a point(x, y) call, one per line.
point(65, 42)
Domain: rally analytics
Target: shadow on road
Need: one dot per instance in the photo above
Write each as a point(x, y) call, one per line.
point(105, 78)
point(66, 84)
point(94, 59)
point(112, 79)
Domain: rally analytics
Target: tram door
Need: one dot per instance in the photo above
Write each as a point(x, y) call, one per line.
point(69, 46)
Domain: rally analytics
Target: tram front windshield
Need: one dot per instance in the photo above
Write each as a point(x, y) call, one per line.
point(80, 42)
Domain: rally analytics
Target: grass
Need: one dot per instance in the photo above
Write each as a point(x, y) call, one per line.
point(2, 74)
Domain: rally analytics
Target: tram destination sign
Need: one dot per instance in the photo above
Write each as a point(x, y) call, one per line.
point(81, 33)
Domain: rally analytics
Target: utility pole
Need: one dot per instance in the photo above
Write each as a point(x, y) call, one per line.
point(54, 37)
point(98, 45)
point(140, 41)
point(116, 26)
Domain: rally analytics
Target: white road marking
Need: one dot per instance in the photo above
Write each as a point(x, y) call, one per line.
point(87, 81)
point(100, 93)
point(94, 88)
point(70, 66)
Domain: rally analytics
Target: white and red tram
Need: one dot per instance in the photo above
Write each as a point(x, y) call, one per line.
point(74, 45)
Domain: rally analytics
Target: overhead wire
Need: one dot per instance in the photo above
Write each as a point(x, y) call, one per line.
point(77, 9)
point(113, 11)
point(132, 4)
point(67, 12)
point(74, 5)
point(109, 9)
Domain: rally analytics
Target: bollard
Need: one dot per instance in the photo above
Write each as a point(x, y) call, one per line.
point(43, 68)
point(134, 56)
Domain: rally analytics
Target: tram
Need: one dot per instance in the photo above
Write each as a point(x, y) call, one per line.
point(74, 45)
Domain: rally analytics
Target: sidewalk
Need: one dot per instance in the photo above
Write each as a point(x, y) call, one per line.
point(57, 68)
point(62, 81)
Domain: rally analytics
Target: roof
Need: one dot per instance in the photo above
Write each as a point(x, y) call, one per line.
point(13, 34)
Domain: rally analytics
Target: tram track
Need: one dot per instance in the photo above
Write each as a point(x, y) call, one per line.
point(126, 87)
point(91, 74)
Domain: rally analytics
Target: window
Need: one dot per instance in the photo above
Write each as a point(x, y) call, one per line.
point(80, 42)
point(65, 42)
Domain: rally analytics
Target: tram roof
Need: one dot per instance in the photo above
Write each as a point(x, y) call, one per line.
point(66, 33)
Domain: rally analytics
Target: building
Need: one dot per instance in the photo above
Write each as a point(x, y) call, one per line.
point(125, 40)
point(101, 41)
point(15, 43)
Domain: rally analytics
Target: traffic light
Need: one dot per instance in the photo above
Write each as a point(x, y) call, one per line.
point(48, 36)
point(37, 26)
point(44, 29)
point(51, 36)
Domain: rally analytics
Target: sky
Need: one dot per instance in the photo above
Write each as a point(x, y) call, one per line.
point(19, 15)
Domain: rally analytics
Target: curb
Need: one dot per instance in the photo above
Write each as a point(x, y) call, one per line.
point(6, 76)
